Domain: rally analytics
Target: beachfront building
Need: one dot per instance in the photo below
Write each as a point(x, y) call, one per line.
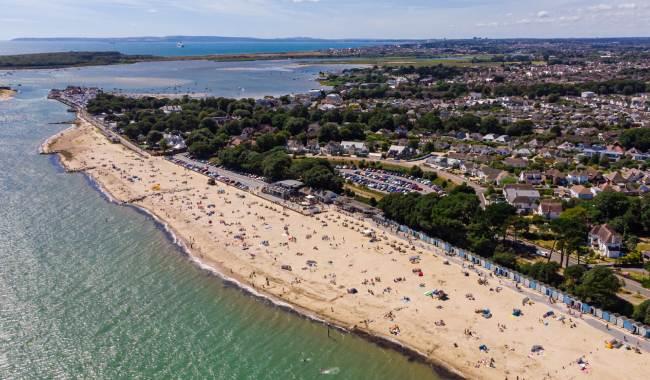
point(284, 189)
point(522, 196)
point(607, 242)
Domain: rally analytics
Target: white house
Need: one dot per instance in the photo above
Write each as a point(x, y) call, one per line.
point(357, 148)
point(523, 197)
point(606, 241)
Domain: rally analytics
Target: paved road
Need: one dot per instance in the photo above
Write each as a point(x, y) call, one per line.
point(252, 183)
point(84, 115)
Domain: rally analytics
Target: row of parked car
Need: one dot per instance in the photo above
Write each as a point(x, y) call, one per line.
point(204, 169)
point(385, 181)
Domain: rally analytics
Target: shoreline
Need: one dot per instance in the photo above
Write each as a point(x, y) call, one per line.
point(212, 269)
point(310, 300)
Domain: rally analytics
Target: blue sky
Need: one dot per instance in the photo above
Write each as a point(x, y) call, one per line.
point(325, 18)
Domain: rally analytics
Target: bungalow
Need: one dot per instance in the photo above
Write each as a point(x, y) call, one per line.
point(332, 148)
point(502, 139)
point(400, 151)
point(357, 148)
point(581, 192)
point(490, 175)
point(515, 162)
point(295, 146)
point(489, 137)
point(523, 197)
point(171, 109)
point(333, 99)
point(468, 168)
point(555, 177)
point(615, 178)
point(549, 208)
point(606, 241)
point(577, 177)
point(531, 177)
point(637, 155)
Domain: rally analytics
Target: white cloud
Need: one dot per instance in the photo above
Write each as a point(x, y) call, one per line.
point(543, 14)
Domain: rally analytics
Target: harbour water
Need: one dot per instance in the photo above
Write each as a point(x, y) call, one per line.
point(171, 48)
point(91, 289)
point(232, 79)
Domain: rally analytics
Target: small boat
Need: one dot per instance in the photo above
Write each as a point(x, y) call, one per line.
point(180, 45)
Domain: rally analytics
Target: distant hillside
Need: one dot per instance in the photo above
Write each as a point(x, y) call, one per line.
point(67, 59)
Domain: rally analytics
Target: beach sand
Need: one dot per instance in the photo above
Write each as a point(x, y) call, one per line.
point(6, 94)
point(250, 240)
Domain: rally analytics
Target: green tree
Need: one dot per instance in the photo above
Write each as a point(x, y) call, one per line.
point(276, 165)
point(329, 132)
point(153, 137)
point(507, 259)
point(599, 286)
point(642, 312)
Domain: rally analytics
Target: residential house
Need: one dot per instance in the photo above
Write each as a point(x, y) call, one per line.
point(333, 99)
point(555, 177)
point(515, 162)
point(530, 177)
point(606, 241)
point(332, 148)
point(577, 177)
point(581, 192)
point(356, 148)
point(549, 208)
point(523, 197)
point(488, 175)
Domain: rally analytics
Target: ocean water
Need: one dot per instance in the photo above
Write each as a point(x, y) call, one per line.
point(232, 79)
point(170, 48)
point(91, 289)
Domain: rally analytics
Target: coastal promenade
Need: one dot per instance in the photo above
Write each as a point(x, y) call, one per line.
point(327, 266)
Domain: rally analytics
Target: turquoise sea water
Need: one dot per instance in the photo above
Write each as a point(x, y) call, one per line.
point(90, 289)
point(170, 48)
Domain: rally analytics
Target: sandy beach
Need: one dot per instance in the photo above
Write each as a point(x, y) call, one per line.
point(312, 263)
point(6, 94)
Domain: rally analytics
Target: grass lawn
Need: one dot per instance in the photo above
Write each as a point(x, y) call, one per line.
point(365, 192)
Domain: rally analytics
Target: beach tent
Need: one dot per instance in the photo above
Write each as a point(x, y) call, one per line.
point(605, 316)
point(586, 308)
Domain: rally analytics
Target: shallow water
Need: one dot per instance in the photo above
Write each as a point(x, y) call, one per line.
point(233, 79)
point(171, 49)
point(90, 289)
